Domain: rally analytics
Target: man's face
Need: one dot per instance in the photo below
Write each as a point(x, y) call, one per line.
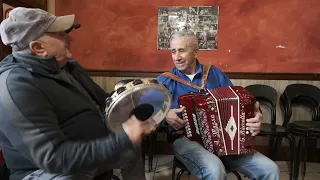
point(183, 53)
point(57, 45)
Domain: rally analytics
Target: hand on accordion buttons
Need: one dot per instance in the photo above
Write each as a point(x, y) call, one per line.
point(135, 129)
point(173, 120)
point(254, 124)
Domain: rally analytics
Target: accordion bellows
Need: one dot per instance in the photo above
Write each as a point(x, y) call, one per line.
point(217, 119)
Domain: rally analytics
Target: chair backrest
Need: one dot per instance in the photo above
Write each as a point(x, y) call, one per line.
point(300, 94)
point(265, 95)
point(294, 91)
point(262, 91)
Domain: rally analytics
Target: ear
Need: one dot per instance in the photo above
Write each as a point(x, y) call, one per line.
point(37, 48)
point(196, 52)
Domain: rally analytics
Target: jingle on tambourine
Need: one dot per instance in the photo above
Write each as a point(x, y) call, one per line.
point(143, 98)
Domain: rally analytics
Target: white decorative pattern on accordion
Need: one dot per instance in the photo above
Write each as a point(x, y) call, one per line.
point(231, 127)
point(205, 133)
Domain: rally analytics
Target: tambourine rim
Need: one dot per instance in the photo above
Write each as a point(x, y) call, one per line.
point(132, 90)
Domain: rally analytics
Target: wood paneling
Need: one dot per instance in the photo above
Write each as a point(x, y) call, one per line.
point(233, 75)
point(42, 4)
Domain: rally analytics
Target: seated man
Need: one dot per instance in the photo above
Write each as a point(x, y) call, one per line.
point(202, 163)
point(51, 111)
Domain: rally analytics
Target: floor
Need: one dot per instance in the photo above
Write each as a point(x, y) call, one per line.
point(162, 170)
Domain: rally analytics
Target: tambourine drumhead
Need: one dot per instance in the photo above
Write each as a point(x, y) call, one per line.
point(144, 98)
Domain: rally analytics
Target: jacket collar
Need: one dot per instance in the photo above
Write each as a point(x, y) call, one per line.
point(45, 66)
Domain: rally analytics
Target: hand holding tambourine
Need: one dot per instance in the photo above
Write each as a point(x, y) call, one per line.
point(142, 102)
point(136, 129)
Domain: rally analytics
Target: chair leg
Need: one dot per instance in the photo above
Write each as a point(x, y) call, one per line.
point(180, 174)
point(173, 172)
point(276, 146)
point(305, 156)
point(297, 158)
point(150, 154)
point(292, 153)
point(153, 140)
point(271, 151)
point(142, 153)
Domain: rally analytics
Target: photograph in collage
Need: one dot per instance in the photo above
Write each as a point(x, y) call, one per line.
point(202, 20)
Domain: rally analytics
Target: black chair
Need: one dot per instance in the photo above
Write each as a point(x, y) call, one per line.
point(267, 95)
point(301, 94)
point(177, 163)
point(309, 96)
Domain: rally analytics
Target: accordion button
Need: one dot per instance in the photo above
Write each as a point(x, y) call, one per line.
point(247, 132)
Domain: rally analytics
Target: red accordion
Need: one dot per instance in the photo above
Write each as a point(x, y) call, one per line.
point(217, 119)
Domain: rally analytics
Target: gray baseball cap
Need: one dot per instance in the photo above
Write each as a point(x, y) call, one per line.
point(28, 24)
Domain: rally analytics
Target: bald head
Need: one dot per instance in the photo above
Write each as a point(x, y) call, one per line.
point(184, 48)
point(192, 40)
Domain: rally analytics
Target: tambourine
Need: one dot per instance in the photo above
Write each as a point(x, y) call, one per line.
point(143, 98)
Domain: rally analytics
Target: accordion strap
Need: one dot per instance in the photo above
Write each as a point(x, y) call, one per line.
point(206, 69)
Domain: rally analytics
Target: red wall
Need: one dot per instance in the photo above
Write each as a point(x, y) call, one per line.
point(122, 35)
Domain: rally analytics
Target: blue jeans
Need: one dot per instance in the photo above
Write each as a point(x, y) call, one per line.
point(207, 166)
point(131, 165)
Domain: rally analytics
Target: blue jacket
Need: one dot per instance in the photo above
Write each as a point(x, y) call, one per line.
point(52, 121)
point(215, 79)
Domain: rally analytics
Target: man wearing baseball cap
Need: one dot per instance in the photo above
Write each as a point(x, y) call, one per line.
point(51, 111)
